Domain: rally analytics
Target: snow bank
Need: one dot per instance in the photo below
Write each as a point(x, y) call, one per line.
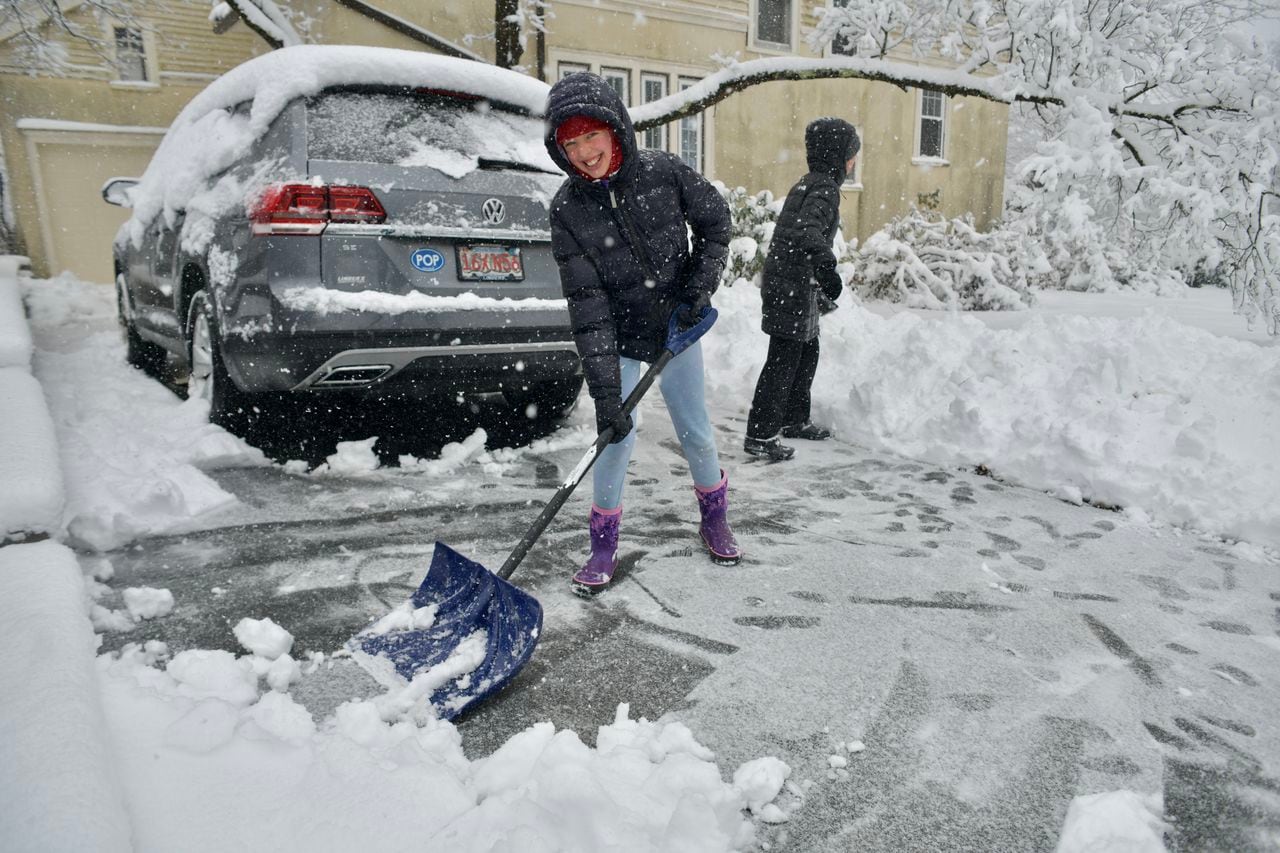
point(32, 498)
point(56, 779)
point(197, 741)
point(133, 453)
point(1146, 413)
point(15, 337)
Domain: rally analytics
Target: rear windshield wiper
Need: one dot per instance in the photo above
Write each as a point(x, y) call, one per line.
point(512, 166)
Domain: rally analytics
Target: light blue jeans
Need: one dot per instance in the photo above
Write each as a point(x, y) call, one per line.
point(682, 388)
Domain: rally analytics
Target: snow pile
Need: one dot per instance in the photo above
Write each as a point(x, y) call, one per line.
point(198, 740)
point(56, 770)
point(15, 338)
point(1149, 414)
point(133, 453)
point(32, 498)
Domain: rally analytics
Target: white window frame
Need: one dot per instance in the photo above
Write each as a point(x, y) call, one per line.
point(611, 73)
point(698, 123)
point(854, 181)
point(941, 118)
point(660, 132)
point(763, 46)
point(831, 45)
point(149, 65)
point(564, 69)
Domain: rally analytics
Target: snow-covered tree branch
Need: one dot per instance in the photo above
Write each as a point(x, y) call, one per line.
point(264, 17)
point(1162, 123)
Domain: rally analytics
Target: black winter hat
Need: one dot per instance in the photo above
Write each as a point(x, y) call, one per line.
point(829, 143)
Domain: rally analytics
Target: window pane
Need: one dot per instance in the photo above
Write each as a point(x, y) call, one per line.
point(773, 21)
point(930, 137)
point(131, 61)
point(653, 88)
point(567, 68)
point(931, 104)
point(619, 79)
point(691, 134)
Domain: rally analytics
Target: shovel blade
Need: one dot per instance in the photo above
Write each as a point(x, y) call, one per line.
point(469, 599)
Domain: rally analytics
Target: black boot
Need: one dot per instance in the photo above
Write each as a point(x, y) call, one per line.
point(808, 430)
point(773, 448)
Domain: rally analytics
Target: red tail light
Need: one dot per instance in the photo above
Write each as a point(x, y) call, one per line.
point(307, 208)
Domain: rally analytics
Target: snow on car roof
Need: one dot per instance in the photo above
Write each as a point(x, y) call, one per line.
point(206, 138)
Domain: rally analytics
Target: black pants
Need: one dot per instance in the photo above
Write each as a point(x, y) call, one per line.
point(782, 392)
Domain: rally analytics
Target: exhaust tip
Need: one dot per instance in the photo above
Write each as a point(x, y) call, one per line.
point(352, 375)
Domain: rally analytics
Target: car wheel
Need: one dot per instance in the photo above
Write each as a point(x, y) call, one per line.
point(144, 355)
point(556, 398)
point(207, 378)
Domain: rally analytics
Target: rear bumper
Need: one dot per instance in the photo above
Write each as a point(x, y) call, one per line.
point(337, 363)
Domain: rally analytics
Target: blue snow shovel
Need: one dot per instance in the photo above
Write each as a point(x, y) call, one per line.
point(471, 601)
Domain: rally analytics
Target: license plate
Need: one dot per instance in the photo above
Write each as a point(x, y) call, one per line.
point(490, 263)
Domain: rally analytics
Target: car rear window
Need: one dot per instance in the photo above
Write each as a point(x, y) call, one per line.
point(421, 129)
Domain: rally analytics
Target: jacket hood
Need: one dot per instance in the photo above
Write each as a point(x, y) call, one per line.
point(583, 93)
point(828, 144)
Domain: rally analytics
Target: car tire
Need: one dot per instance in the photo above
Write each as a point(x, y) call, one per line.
point(148, 357)
point(207, 376)
point(555, 398)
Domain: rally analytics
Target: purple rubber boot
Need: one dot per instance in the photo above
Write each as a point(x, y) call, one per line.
point(715, 526)
point(598, 571)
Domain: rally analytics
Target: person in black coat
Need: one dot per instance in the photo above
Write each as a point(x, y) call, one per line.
point(799, 283)
point(637, 235)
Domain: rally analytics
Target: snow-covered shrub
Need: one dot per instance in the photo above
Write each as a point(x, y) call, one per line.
point(754, 216)
point(928, 262)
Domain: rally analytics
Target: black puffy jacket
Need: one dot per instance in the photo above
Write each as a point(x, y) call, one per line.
point(622, 243)
point(800, 261)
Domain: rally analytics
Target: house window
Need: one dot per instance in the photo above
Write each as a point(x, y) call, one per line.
point(932, 123)
point(652, 88)
point(843, 45)
point(773, 22)
point(853, 180)
point(619, 79)
point(691, 133)
point(567, 68)
point(131, 54)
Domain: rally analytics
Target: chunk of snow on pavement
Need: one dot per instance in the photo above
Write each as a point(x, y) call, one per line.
point(352, 458)
point(760, 780)
point(263, 637)
point(144, 602)
point(1113, 822)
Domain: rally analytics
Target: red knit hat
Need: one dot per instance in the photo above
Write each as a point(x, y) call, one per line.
point(575, 126)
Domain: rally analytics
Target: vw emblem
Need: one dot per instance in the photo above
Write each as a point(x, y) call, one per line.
point(493, 211)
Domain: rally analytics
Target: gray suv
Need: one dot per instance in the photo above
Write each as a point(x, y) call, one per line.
point(387, 241)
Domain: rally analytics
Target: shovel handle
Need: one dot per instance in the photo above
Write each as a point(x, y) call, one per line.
point(677, 341)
